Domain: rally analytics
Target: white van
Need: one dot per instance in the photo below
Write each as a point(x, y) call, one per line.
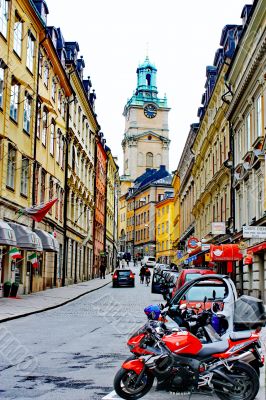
point(148, 261)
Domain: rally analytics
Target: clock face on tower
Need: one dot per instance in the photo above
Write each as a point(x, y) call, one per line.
point(150, 111)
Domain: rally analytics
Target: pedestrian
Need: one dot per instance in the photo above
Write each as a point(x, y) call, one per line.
point(142, 274)
point(147, 276)
point(102, 269)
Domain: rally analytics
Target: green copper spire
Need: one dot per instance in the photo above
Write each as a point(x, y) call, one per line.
point(147, 78)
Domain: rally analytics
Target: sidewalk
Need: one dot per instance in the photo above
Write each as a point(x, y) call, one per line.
point(12, 308)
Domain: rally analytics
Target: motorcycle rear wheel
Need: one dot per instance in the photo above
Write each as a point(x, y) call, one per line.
point(124, 384)
point(247, 383)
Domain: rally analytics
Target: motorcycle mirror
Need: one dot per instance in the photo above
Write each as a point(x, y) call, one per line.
point(214, 294)
point(183, 306)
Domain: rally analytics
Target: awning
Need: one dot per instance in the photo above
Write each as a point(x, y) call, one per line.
point(257, 248)
point(49, 243)
point(225, 252)
point(26, 238)
point(7, 235)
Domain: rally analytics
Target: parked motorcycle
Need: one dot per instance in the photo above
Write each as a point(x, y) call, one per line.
point(181, 363)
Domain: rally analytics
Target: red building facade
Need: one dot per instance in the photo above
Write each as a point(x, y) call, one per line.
point(100, 203)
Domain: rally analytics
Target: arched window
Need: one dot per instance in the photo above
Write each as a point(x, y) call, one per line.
point(148, 79)
point(149, 160)
point(158, 160)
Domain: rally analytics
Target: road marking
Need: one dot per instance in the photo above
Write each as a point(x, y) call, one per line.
point(111, 396)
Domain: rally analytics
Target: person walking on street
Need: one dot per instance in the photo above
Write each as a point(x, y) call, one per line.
point(147, 276)
point(142, 274)
point(102, 269)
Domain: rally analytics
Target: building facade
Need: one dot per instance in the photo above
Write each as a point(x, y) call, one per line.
point(246, 114)
point(111, 205)
point(100, 204)
point(148, 189)
point(146, 137)
point(164, 226)
point(82, 130)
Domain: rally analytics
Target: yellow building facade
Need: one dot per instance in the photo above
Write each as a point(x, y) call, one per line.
point(165, 212)
point(176, 215)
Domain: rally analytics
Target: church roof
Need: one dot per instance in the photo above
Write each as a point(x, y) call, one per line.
point(147, 64)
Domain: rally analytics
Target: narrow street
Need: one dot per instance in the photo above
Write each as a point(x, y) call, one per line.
point(73, 352)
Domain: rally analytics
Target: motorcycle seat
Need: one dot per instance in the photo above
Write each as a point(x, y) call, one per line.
point(212, 348)
point(234, 336)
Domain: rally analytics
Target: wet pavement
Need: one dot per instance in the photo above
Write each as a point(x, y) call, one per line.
point(74, 351)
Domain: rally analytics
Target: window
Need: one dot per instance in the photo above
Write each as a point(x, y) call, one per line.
point(39, 117)
point(51, 193)
point(52, 138)
point(2, 76)
point(61, 205)
point(24, 176)
point(3, 17)
point(248, 132)
point(56, 204)
point(53, 88)
point(167, 226)
point(46, 74)
point(149, 160)
point(30, 51)
point(11, 167)
point(27, 112)
point(58, 139)
point(259, 116)
point(43, 179)
point(17, 35)
point(14, 100)
point(40, 63)
point(44, 126)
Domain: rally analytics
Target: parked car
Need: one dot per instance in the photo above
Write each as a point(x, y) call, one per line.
point(189, 274)
point(123, 277)
point(148, 261)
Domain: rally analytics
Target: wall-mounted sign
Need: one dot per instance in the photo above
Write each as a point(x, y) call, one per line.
point(254, 232)
point(218, 228)
point(192, 242)
point(205, 246)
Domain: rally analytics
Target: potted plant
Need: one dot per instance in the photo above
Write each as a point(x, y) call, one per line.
point(14, 289)
point(7, 287)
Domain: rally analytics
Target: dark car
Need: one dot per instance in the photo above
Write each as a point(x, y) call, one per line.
point(123, 277)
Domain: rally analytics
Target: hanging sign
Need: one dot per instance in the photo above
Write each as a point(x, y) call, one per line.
point(192, 242)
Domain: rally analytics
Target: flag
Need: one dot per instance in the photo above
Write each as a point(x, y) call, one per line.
point(15, 253)
point(34, 260)
point(37, 213)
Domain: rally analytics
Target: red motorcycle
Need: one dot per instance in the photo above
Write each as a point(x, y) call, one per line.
point(181, 363)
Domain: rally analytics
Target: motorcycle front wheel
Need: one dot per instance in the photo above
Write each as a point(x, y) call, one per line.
point(125, 384)
point(246, 383)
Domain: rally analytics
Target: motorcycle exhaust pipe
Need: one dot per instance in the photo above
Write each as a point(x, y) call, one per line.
point(247, 357)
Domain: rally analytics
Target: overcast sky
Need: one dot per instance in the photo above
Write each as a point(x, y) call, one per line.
point(182, 38)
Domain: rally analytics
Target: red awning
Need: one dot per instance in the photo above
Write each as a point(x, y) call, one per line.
point(225, 252)
point(258, 247)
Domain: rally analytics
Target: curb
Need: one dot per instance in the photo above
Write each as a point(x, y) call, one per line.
point(52, 307)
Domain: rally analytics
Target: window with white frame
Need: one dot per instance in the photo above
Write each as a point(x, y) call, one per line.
point(11, 167)
point(52, 138)
point(54, 88)
point(44, 126)
point(14, 99)
point(3, 16)
point(248, 131)
point(61, 151)
point(24, 176)
point(2, 78)
point(39, 118)
point(27, 112)
point(40, 63)
point(46, 74)
point(59, 100)
point(17, 35)
point(259, 116)
point(57, 150)
point(260, 200)
point(30, 51)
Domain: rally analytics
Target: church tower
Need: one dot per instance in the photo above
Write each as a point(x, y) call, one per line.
point(146, 137)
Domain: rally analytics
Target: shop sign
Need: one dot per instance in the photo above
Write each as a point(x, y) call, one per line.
point(179, 254)
point(193, 242)
point(218, 228)
point(254, 232)
point(205, 246)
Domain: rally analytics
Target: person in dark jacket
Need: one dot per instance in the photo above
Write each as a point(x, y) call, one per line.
point(142, 274)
